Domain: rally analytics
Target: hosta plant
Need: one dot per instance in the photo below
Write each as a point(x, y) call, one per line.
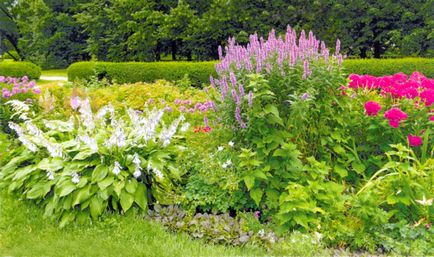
point(95, 161)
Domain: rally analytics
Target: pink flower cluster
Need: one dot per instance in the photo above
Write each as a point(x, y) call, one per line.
point(17, 86)
point(397, 86)
point(395, 116)
point(372, 108)
point(187, 106)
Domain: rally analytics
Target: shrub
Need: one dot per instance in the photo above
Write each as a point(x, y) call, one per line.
point(191, 102)
point(199, 72)
point(131, 72)
point(381, 67)
point(81, 70)
point(19, 69)
point(94, 162)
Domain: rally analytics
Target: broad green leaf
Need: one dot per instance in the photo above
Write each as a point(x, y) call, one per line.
point(67, 218)
point(126, 200)
point(250, 181)
point(50, 164)
point(131, 186)
point(21, 173)
point(256, 195)
point(83, 154)
point(260, 174)
point(271, 109)
point(96, 207)
point(13, 164)
point(358, 167)
point(82, 195)
point(66, 189)
point(38, 191)
point(99, 173)
point(118, 186)
point(341, 171)
point(140, 197)
point(105, 183)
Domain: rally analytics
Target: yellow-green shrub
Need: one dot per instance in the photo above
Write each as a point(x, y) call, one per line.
point(131, 72)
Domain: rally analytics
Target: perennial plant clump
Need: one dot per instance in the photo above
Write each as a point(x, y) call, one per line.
point(95, 161)
point(15, 89)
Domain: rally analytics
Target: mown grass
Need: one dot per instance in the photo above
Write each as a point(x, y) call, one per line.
point(24, 232)
point(54, 73)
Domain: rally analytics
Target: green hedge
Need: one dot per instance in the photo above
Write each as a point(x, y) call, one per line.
point(130, 72)
point(19, 69)
point(199, 72)
point(381, 67)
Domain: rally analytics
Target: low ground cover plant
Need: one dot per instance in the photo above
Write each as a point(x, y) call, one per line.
point(282, 143)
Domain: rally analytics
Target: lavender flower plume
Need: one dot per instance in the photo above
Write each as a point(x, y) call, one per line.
point(250, 99)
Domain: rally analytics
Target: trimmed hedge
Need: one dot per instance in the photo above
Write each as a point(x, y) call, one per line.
point(130, 72)
point(19, 69)
point(199, 72)
point(381, 67)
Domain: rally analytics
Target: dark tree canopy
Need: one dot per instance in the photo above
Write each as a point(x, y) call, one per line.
point(56, 33)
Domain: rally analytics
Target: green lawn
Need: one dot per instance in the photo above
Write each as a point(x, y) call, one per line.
point(23, 232)
point(54, 73)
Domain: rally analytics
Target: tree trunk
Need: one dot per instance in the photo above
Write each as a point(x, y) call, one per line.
point(173, 47)
point(377, 49)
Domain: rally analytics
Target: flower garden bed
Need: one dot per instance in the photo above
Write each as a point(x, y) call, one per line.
point(282, 143)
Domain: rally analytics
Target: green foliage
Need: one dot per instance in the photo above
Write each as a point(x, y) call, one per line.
point(19, 69)
point(22, 227)
point(211, 227)
point(199, 72)
point(50, 36)
point(94, 162)
point(132, 72)
point(404, 184)
point(376, 67)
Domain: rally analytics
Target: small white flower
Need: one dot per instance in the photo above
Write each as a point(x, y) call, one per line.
point(136, 159)
point(228, 162)
point(50, 175)
point(261, 233)
point(185, 127)
point(231, 143)
point(220, 148)
point(399, 191)
point(149, 168)
point(75, 178)
point(137, 173)
point(425, 202)
point(224, 165)
point(158, 173)
point(117, 168)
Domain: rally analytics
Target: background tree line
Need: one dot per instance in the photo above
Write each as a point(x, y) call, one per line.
point(55, 33)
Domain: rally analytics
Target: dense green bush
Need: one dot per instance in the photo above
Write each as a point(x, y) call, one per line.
point(199, 72)
point(142, 72)
point(381, 67)
point(19, 69)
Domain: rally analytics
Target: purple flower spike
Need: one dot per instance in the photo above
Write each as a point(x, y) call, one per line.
point(338, 46)
point(75, 102)
point(233, 79)
point(305, 96)
point(250, 101)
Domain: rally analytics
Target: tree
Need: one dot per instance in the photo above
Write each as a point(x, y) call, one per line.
point(50, 35)
point(8, 29)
